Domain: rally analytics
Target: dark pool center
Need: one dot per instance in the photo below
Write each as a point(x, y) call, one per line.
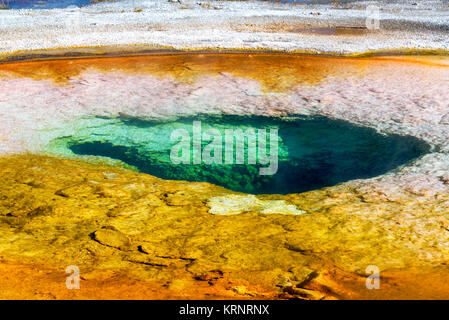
point(313, 152)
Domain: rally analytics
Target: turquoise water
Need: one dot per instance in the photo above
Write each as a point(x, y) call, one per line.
point(312, 152)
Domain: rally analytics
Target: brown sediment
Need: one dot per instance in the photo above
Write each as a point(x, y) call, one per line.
point(276, 72)
point(336, 31)
point(304, 29)
point(19, 280)
point(139, 50)
point(29, 281)
point(414, 283)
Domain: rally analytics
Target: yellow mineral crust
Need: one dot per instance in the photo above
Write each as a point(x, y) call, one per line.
point(136, 236)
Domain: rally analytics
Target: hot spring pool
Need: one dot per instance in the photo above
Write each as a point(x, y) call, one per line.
point(312, 152)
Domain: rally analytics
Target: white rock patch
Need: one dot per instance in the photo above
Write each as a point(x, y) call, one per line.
point(236, 204)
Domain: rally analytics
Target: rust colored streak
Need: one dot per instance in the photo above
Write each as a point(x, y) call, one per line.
point(276, 72)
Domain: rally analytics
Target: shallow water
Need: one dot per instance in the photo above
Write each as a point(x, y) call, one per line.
point(312, 152)
point(43, 4)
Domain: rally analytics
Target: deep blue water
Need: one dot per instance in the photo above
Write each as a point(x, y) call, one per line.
point(313, 152)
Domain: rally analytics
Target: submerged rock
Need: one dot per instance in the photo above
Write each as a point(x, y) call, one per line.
point(112, 238)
